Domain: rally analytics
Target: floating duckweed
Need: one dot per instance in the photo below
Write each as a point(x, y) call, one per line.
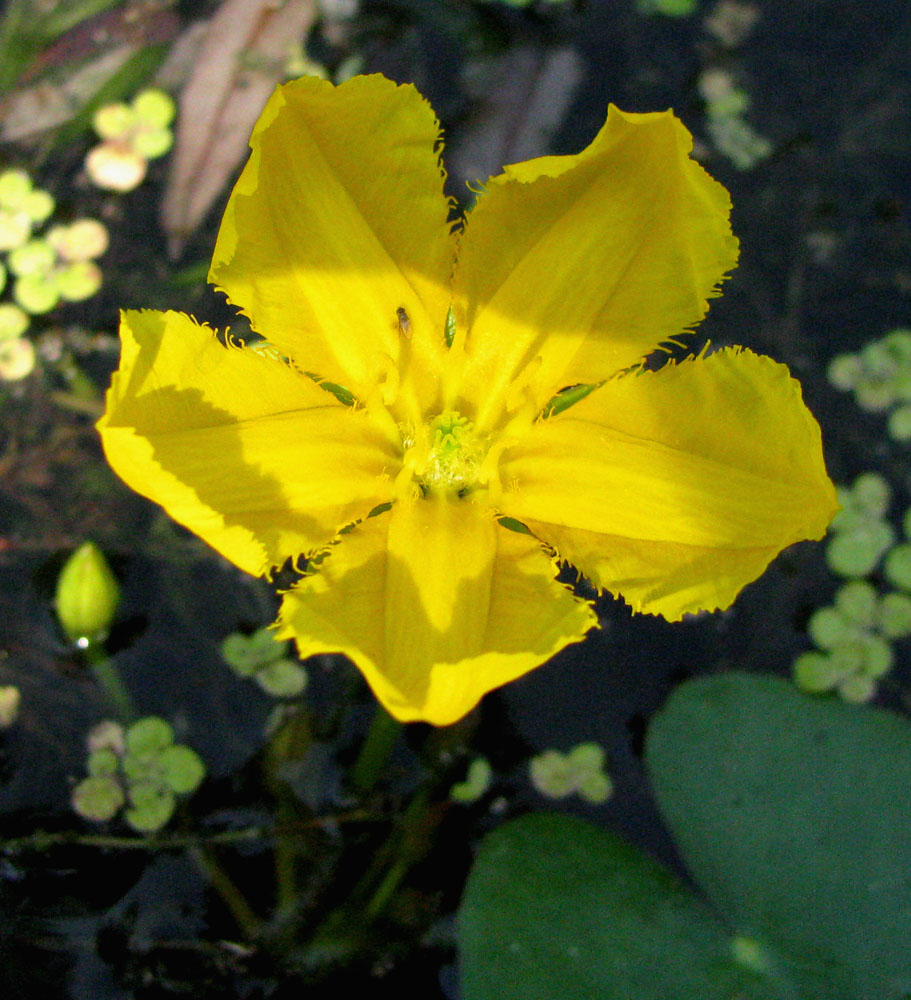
point(815, 672)
point(143, 767)
point(36, 293)
point(38, 206)
point(558, 775)
point(35, 257)
point(151, 806)
point(154, 143)
point(84, 239)
point(261, 657)
point(845, 371)
point(897, 566)
point(857, 688)
point(98, 798)
point(113, 121)
point(17, 359)
point(872, 493)
point(154, 108)
point(282, 679)
point(182, 769)
point(829, 629)
point(149, 736)
point(476, 782)
point(115, 168)
point(15, 229)
point(103, 763)
point(857, 600)
point(15, 185)
point(132, 135)
point(78, 281)
point(13, 321)
point(899, 424)
point(857, 552)
point(895, 616)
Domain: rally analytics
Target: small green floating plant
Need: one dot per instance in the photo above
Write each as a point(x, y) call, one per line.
point(263, 659)
point(140, 770)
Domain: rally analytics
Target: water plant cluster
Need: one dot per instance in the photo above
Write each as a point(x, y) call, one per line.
point(41, 269)
point(131, 135)
point(139, 770)
point(879, 378)
point(580, 771)
point(263, 659)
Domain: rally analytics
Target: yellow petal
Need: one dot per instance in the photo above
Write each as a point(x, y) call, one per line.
point(437, 604)
point(588, 262)
point(237, 446)
point(337, 221)
point(676, 488)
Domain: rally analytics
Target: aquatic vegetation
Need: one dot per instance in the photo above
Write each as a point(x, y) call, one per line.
point(477, 782)
point(141, 768)
point(730, 133)
point(879, 377)
point(264, 659)
point(131, 134)
point(431, 508)
point(580, 772)
point(860, 532)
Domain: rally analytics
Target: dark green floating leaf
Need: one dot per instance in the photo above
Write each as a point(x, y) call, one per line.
point(557, 909)
point(793, 814)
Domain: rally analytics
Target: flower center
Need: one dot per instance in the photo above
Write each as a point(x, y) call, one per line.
point(446, 456)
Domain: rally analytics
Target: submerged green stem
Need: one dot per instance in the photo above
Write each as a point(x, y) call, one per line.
point(376, 751)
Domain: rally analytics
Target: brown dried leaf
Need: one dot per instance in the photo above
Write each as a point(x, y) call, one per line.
point(240, 61)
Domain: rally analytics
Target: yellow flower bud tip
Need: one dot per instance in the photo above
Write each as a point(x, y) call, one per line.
point(87, 596)
point(10, 697)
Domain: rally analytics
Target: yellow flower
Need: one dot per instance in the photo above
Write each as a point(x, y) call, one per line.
point(436, 503)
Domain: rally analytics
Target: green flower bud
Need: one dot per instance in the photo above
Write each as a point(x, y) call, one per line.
point(87, 595)
point(97, 798)
point(17, 359)
point(78, 281)
point(36, 293)
point(152, 805)
point(182, 769)
point(35, 257)
point(476, 782)
point(282, 679)
point(14, 187)
point(154, 108)
point(152, 143)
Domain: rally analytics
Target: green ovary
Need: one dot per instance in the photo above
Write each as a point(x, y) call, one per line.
point(454, 456)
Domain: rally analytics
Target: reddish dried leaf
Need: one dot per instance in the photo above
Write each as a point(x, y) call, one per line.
point(240, 60)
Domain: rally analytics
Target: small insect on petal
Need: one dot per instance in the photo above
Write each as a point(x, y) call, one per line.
point(404, 322)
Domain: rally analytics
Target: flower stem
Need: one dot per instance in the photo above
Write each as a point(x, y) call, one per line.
point(376, 751)
point(110, 682)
